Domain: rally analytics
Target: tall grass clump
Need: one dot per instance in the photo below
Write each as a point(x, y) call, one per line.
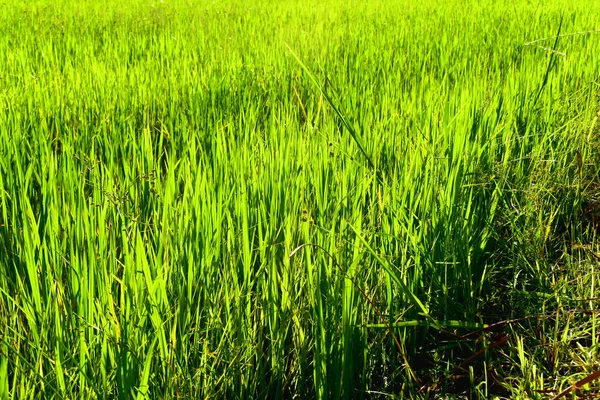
point(318, 200)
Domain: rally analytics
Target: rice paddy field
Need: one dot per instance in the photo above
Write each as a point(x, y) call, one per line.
point(299, 199)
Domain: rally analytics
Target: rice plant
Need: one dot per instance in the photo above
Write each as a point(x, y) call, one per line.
point(333, 200)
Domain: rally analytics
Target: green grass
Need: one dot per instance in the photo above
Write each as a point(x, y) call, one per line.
point(316, 200)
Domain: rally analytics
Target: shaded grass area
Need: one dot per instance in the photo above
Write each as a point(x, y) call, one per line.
point(186, 214)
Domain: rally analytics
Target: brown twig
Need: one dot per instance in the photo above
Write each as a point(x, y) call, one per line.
point(593, 376)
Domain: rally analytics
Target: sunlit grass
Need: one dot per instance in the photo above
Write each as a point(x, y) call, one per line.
point(323, 200)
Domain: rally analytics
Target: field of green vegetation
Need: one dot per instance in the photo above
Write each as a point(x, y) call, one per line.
point(290, 199)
